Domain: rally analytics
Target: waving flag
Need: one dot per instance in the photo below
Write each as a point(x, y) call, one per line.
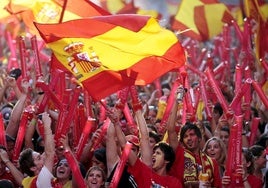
point(107, 53)
point(198, 19)
point(51, 11)
point(259, 11)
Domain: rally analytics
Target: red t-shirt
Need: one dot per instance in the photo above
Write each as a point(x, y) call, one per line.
point(146, 178)
point(255, 181)
point(184, 164)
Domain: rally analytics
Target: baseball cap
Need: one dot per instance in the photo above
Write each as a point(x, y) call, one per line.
point(133, 140)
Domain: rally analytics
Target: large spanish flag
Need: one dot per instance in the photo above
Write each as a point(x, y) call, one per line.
point(108, 53)
point(201, 19)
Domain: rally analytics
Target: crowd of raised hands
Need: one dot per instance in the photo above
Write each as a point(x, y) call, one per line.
point(128, 145)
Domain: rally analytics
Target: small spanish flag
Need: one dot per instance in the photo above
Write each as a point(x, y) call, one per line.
point(108, 53)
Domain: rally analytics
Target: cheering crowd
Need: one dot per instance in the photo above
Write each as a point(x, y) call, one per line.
point(204, 125)
point(160, 149)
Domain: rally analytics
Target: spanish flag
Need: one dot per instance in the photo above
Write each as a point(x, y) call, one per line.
point(108, 53)
point(197, 18)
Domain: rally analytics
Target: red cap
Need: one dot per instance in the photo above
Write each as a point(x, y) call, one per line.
point(133, 140)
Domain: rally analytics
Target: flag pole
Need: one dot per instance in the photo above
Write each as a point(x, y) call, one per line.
point(63, 10)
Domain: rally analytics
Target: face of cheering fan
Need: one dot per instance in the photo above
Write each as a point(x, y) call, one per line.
point(158, 160)
point(95, 177)
point(63, 171)
point(214, 150)
point(191, 141)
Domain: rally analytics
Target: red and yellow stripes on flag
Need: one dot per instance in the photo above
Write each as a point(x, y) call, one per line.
point(49, 11)
point(250, 9)
point(258, 11)
point(197, 18)
point(208, 23)
point(254, 9)
point(121, 50)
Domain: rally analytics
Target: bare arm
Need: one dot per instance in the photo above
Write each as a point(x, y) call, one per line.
point(18, 176)
point(172, 134)
point(111, 149)
point(29, 134)
point(49, 142)
point(13, 125)
point(146, 154)
point(114, 115)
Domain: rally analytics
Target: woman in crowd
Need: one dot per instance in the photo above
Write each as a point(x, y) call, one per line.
point(246, 170)
point(95, 177)
point(259, 155)
point(63, 175)
point(215, 148)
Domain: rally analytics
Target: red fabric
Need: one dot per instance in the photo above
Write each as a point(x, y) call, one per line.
point(255, 181)
point(83, 8)
point(8, 176)
point(102, 25)
point(144, 177)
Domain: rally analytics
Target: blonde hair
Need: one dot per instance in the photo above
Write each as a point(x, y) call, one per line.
point(222, 158)
point(97, 168)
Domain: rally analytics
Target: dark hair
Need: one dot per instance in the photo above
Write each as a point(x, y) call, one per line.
point(256, 150)
point(262, 140)
point(190, 126)
point(37, 146)
point(255, 111)
point(249, 158)
point(4, 183)
point(26, 161)
point(226, 129)
point(150, 126)
point(218, 108)
point(100, 155)
point(169, 154)
point(155, 136)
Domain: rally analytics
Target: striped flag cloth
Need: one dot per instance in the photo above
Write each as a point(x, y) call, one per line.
point(107, 53)
point(201, 19)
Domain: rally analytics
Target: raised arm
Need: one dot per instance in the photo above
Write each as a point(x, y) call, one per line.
point(30, 129)
point(18, 176)
point(114, 115)
point(13, 125)
point(49, 142)
point(146, 150)
point(77, 178)
point(112, 156)
point(172, 134)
